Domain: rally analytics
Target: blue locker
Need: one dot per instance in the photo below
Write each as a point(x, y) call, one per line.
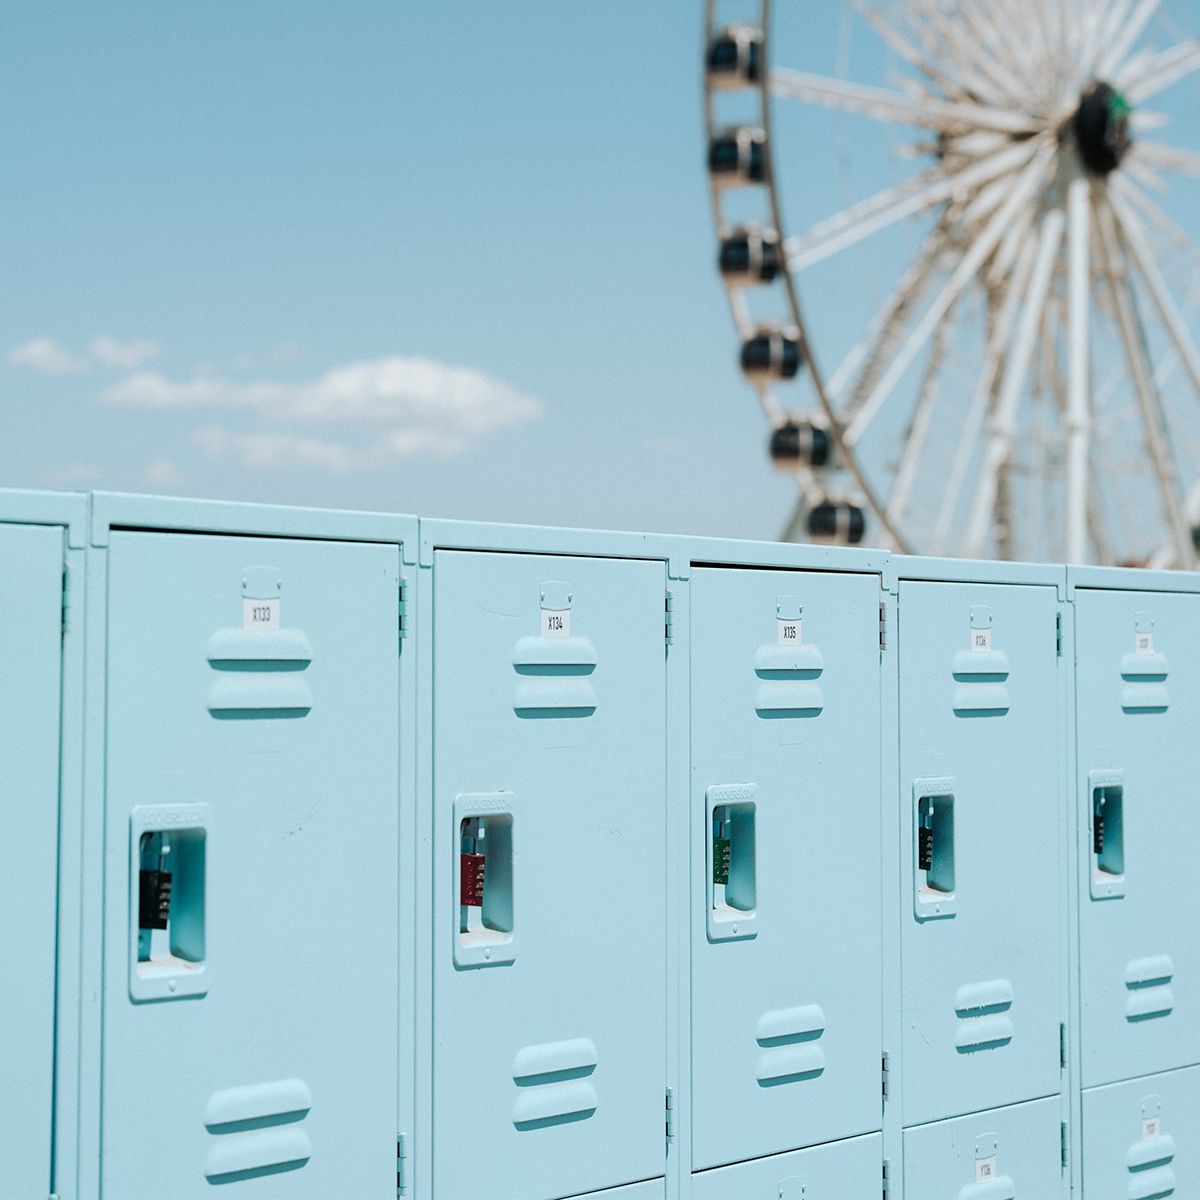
point(31, 633)
point(251, 795)
point(549, 897)
point(980, 802)
point(785, 831)
point(1138, 709)
point(849, 1170)
point(1141, 1138)
point(998, 1155)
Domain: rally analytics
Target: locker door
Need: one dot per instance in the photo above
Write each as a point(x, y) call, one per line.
point(251, 897)
point(1137, 670)
point(980, 798)
point(996, 1155)
point(850, 1170)
point(1142, 1138)
point(549, 905)
point(31, 566)
point(785, 827)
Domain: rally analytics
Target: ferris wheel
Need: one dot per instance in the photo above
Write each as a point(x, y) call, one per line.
point(1028, 385)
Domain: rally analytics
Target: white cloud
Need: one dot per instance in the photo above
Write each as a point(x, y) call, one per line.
point(45, 355)
point(123, 356)
point(371, 413)
point(49, 357)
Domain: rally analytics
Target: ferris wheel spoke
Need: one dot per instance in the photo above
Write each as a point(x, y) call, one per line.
point(1133, 339)
point(1143, 120)
point(1146, 175)
point(1125, 38)
point(887, 105)
point(1160, 71)
point(917, 432)
point(1107, 28)
point(1020, 193)
point(1154, 213)
point(893, 204)
point(999, 339)
point(998, 38)
point(1134, 239)
point(1166, 158)
point(888, 324)
point(997, 448)
point(907, 51)
point(1004, 87)
point(1077, 424)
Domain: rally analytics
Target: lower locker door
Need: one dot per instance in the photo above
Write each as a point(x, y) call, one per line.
point(1141, 1139)
point(1002, 1154)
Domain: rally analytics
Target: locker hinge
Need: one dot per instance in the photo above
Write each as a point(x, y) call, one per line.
point(884, 1074)
point(882, 625)
point(1062, 1047)
point(668, 620)
point(886, 1181)
point(670, 1115)
point(1058, 634)
point(401, 1163)
point(1062, 1142)
point(402, 609)
point(66, 596)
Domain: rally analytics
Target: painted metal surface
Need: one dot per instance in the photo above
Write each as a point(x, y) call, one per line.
point(785, 861)
point(31, 632)
point(980, 800)
point(258, 768)
point(1141, 1138)
point(849, 1170)
point(549, 774)
point(1138, 706)
point(997, 1155)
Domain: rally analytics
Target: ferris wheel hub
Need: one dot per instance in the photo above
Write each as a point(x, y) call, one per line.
point(1101, 125)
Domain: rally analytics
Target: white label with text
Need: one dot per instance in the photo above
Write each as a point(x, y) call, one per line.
point(1144, 643)
point(556, 622)
point(789, 632)
point(981, 640)
point(1149, 1128)
point(260, 614)
point(985, 1168)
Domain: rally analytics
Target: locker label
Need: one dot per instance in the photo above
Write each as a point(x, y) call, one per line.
point(1143, 643)
point(1150, 1128)
point(981, 640)
point(985, 1168)
point(260, 614)
point(789, 632)
point(556, 622)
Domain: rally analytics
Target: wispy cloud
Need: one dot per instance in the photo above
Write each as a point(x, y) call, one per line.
point(48, 356)
point(363, 414)
point(123, 356)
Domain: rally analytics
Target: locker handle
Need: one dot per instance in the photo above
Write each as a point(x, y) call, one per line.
point(1106, 828)
point(731, 818)
point(484, 879)
point(934, 879)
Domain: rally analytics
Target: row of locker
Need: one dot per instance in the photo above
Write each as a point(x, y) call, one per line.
point(346, 853)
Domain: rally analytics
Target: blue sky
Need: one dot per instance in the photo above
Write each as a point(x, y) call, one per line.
point(233, 232)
